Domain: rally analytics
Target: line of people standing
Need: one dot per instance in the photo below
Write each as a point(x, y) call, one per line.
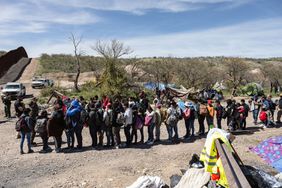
point(105, 118)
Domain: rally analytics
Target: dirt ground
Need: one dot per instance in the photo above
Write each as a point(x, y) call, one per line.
point(107, 168)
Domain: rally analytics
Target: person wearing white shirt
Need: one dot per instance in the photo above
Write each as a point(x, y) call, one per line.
point(128, 115)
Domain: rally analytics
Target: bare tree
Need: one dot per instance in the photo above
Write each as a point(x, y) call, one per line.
point(76, 42)
point(113, 50)
point(195, 73)
point(235, 72)
point(274, 75)
point(113, 78)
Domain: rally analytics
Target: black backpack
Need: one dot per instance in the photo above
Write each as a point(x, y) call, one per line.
point(21, 125)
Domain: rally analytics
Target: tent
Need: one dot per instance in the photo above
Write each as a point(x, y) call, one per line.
point(270, 151)
point(252, 89)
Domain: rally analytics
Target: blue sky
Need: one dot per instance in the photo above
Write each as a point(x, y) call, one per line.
point(180, 28)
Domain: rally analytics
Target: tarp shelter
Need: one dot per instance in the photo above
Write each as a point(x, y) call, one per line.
point(154, 85)
point(270, 151)
point(252, 89)
point(182, 91)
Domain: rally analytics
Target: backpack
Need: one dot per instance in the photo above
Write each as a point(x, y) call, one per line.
point(21, 125)
point(263, 116)
point(187, 113)
point(203, 110)
point(180, 114)
point(99, 117)
point(84, 116)
point(108, 118)
point(68, 122)
point(224, 113)
point(40, 126)
point(148, 120)
point(120, 118)
point(138, 122)
point(172, 117)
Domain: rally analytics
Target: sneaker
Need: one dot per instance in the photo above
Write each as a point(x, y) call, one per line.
point(30, 151)
point(58, 150)
point(43, 151)
point(21, 152)
point(33, 144)
point(150, 143)
point(79, 150)
point(117, 147)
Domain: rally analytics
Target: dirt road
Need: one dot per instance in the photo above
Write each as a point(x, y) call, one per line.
point(108, 167)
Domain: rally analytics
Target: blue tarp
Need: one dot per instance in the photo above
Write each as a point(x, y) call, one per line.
point(181, 105)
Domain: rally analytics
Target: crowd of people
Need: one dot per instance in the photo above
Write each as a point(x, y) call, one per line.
point(106, 117)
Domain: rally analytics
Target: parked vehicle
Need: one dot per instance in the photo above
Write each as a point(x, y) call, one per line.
point(14, 89)
point(41, 82)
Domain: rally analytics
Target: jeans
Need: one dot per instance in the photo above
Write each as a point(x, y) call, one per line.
point(70, 137)
point(93, 133)
point(44, 137)
point(170, 128)
point(77, 130)
point(243, 123)
point(110, 136)
point(218, 121)
point(127, 134)
point(151, 128)
point(116, 133)
point(255, 115)
point(135, 136)
point(201, 120)
point(28, 138)
point(189, 124)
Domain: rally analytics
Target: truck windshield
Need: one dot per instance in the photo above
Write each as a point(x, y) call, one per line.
point(12, 86)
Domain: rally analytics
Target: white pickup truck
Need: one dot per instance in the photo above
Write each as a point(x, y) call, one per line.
point(41, 83)
point(13, 89)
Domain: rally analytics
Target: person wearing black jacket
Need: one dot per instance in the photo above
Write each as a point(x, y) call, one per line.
point(33, 114)
point(41, 128)
point(56, 125)
point(19, 107)
point(246, 113)
point(117, 109)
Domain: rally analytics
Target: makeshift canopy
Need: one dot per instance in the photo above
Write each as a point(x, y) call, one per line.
point(154, 85)
point(270, 151)
point(180, 92)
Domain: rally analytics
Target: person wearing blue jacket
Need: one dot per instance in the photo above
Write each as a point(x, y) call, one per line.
point(25, 131)
point(74, 124)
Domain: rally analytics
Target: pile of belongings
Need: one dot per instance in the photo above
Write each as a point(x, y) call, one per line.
point(148, 182)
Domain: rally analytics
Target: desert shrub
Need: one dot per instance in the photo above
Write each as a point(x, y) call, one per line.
point(66, 63)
